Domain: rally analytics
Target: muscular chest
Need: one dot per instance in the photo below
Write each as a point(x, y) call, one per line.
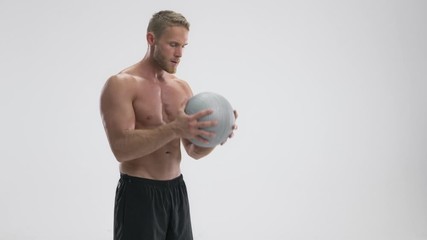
point(157, 104)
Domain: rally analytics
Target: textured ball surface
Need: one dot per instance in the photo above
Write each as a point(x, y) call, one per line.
point(223, 113)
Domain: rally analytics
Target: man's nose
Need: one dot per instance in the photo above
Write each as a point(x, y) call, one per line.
point(178, 52)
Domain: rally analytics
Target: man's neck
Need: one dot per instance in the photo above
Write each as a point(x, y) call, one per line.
point(151, 70)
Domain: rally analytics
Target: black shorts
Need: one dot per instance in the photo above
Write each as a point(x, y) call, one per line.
point(152, 210)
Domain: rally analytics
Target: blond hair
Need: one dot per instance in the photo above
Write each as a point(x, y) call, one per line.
point(166, 18)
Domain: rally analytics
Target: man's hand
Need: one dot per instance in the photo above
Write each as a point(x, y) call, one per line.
point(189, 126)
point(233, 128)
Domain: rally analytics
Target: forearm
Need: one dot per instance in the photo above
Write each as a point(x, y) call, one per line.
point(137, 143)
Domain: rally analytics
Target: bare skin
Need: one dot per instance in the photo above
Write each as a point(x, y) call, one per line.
point(142, 108)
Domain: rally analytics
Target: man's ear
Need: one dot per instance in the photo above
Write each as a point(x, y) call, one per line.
point(150, 38)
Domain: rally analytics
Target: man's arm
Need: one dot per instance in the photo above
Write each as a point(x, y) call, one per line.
point(128, 143)
point(197, 152)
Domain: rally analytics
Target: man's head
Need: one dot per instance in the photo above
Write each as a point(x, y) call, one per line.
point(163, 19)
point(167, 35)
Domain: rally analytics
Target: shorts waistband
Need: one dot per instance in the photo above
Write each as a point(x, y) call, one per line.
point(159, 183)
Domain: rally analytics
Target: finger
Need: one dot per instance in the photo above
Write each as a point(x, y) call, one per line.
point(205, 134)
point(231, 135)
point(202, 113)
point(205, 124)
point(235, 114)
point(202, 139)
point(205, 138)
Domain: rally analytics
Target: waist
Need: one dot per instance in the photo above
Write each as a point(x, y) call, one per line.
point(152, 168)
point(154, 182)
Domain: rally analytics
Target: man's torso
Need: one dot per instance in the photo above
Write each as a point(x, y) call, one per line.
point(156, 103)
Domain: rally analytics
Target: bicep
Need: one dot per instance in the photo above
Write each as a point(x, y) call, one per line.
point(116, 106)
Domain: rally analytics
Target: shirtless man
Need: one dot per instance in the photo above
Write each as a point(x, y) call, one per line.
point(142, 108)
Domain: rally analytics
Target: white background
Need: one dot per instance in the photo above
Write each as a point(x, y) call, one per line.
point(332, 139)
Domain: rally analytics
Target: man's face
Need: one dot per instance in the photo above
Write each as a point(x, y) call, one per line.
point(168, 48)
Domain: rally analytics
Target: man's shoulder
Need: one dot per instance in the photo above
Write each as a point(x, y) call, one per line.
point(121, 82)
point(122, 76)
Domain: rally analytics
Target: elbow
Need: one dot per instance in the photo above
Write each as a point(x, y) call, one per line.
point(119, 154)
point(120, 157)
point(119, 145)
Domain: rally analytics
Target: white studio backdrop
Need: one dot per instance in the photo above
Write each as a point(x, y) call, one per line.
point(331, 95)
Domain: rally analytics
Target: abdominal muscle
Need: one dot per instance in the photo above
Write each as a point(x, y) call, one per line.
point(163, 164)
